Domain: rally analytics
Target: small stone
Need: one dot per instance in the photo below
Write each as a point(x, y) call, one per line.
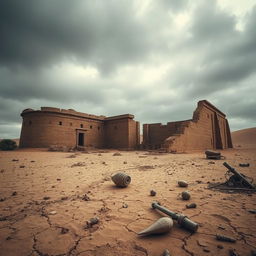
point(22, 166)
point(52, 212)
point(185, 195)
point(58, 179)
point(14, 193)
point(2, 171)
point(182, 183)
point(206, 250)
point(91, 222)
point(15, 160)
point(46, 198)
point(2, 199)
point(252, 211)
point(192, 205)
point(220, 246)
point(125, 205)
point(125, 162)
point(117, 154)
point(64, 198)
point(64, 230)
point(152, 192)
point(85, 197)
point(166, 253)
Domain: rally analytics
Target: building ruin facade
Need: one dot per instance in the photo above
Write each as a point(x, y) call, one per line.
point(53, 126)
point(208, 129)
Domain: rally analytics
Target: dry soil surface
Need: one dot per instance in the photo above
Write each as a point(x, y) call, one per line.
point(46, 199)
point(245, 138)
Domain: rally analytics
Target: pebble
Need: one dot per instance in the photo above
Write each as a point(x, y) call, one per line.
point(152, 192)
point(192, 205)
point(182, 183)
point(185, 195)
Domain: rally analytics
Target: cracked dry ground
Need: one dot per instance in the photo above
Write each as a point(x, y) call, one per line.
point(47, 197)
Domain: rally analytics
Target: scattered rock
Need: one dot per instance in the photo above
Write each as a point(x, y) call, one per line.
point(2, 199)
point(14, 193)
point(185, 195)
point(46, 198)
point(85, 197)
point(117, 154)
point(220, 246)
point(4, 218)
point(166, 253)
point(64, 231)
point(192, 205)
point(32, 161)
point(182, 183)
point(152, 192)
point(125, 162)
point(78, 164)
point(64, 198)
point(71, 156)
point(22, 166)
point(244, 165)
point(125, 205)
point(103, 162)
point(91, 222)
point(15, 160)
point(58, 179)
point(211, 162)
point(252, 211)
point(99, 154)
point(2, 170)
point(206, 250)
point(8, 238)
point(52, 212)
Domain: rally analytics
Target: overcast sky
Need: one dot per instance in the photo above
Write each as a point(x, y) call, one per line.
point(153, 59)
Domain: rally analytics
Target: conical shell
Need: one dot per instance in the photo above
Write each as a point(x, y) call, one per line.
point(121, 179)
point(163, 225)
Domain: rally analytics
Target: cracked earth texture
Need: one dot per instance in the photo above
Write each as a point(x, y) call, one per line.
point(44, 206)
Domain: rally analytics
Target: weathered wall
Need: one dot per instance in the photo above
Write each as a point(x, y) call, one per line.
point(207, 130)
point(42, 129)
point(53, 126)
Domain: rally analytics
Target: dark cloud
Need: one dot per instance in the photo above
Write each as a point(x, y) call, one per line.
point(114, 57)
point(100, 33)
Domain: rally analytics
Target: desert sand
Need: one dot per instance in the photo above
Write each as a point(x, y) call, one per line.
point(46, 199)
point(245, 138)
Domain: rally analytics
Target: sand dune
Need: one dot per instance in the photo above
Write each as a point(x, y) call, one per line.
point(245, 138)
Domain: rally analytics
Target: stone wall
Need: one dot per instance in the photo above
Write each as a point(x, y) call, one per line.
point(53, 126)
point(207, 130)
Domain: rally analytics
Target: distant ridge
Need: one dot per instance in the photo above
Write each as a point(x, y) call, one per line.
point(245, 138)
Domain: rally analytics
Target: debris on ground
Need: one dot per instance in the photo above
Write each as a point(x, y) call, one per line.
point(152, 192)
point(225, 239)
point(192, 205)
point(185, 195)
point(182, 183)
point(213, 155)
point(121, 179)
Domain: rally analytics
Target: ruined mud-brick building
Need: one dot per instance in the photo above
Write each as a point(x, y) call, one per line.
point(68, 128)
point(208, 129)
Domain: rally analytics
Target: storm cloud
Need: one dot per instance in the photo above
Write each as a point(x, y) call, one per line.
point(154, 59)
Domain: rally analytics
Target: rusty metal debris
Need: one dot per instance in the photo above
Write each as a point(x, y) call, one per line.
point(235, 181)
point(225, 239)
point(213, 155)
point(182, 220)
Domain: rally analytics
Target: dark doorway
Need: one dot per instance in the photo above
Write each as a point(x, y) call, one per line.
point(80, 139)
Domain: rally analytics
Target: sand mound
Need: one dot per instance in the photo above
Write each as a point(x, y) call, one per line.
point(245, 138)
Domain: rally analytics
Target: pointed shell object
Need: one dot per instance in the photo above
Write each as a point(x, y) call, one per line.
point(121, 179)
point(182, 183)
point(162, 225)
